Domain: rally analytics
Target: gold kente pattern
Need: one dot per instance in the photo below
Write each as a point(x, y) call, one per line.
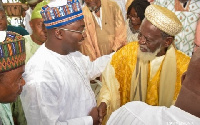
point(13, 62)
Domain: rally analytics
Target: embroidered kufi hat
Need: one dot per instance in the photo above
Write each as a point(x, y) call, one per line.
point(61, 13)
point(164, 19)
point(12, 51)
point(36, 11)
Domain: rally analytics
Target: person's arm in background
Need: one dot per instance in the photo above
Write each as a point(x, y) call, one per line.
point(197, 36)
point(120, 29)
point(109, 95)
point(95, 68)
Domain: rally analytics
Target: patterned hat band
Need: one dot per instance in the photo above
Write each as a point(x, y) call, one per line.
point(12, 52)
point(61, 15)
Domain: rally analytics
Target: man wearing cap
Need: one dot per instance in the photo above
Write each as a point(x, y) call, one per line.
point(39, 35)
point(185, 112)
point(12, 60)
point(58, 76)
point(105, 28)
point(32, 4)
point(148, 70)
point(188, 12)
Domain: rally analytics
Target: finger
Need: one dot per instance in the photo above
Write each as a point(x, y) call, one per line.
point(100, 120)
point(100, 112)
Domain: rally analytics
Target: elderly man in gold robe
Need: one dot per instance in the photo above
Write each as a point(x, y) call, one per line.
point(105, 28)
point(149, 70)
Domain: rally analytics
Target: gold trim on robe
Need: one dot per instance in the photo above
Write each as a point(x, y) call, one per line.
point(117, 77)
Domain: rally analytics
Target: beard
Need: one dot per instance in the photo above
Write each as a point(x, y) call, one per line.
point(147, 56)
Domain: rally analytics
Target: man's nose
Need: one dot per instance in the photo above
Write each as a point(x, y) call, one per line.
point(84, 34)
point(22, 82)
point(142, 40)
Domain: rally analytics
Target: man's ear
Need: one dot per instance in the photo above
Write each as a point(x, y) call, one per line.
point(169, 41)
point(58, 34)
point(31, 24)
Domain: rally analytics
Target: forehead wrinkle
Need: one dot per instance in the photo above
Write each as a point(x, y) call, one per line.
point(150, 30)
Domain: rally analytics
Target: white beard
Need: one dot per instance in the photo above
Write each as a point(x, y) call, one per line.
point(147, 56)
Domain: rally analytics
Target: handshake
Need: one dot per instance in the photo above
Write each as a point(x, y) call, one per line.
point(98, 113)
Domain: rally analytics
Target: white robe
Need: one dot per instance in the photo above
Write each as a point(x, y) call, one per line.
point(27, 19)
point(139, 113)
point(57, 89)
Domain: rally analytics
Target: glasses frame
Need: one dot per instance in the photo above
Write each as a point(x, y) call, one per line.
point(76, 31)
point(133, 17)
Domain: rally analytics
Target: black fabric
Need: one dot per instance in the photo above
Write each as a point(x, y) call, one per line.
point(184, 5)
point(139, 6)
point(19, 30)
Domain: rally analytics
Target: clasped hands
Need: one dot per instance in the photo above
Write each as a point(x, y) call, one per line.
point(98, 113)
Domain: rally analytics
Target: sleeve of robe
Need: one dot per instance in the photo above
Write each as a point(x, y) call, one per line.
point(41, 100)
point(120, 29)
point(109, 92)
point(96, 67)
point(139, 113)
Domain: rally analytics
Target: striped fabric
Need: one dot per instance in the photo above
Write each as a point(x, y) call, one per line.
point(12, 51)
point(62, 15)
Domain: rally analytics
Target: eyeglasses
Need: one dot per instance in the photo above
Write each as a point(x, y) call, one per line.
point(76, 31)
point(132, 17)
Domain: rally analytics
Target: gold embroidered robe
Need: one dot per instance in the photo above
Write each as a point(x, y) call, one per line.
point(117, 78)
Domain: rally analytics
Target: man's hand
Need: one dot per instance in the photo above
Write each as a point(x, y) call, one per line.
point(102, 111)
point(94, 115)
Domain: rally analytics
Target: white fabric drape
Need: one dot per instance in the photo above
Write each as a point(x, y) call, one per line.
point(139, 113)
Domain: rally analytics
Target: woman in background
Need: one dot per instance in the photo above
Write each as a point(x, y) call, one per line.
point(135, 15)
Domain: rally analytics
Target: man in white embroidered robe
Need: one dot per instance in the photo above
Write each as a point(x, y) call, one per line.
point(58, 76)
